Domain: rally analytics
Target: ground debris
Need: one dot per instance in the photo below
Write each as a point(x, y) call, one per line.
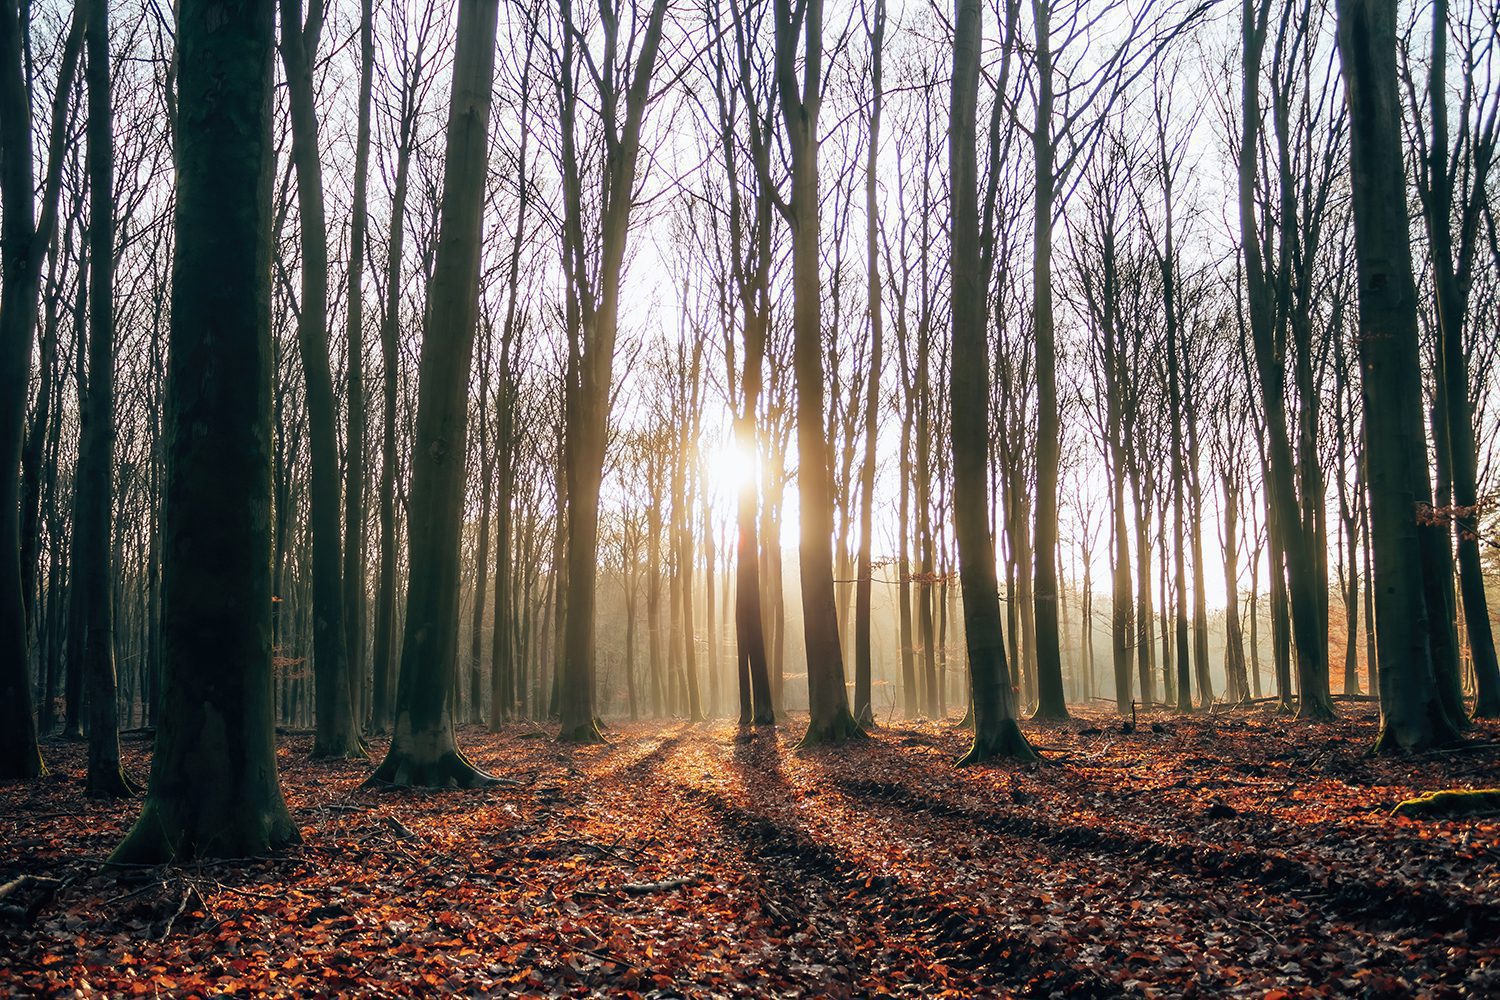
point(1242, 855)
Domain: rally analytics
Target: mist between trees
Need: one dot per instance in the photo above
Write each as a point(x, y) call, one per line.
point(393, 365)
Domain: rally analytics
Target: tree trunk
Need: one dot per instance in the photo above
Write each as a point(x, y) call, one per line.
point(384, 651)
point(213, 790)
point(1455, 433)
point(423, 751)
point(92, 550)
point(996, 732)
point(1412, 713)
point(354, 470)
point(1051, 704)
point(863, 711)
point(22, 245)
point(828, 700)
point(336, 735)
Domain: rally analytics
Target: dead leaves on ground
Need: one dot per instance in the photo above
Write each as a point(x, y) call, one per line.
point(1238, 855)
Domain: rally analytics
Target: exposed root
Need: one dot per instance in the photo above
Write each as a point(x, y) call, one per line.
point(165, 834)
point(1007, 742)
point(840, 729)
point(450, 769)
point(584, 734)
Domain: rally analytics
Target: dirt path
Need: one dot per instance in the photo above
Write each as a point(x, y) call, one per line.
point(1228, 857)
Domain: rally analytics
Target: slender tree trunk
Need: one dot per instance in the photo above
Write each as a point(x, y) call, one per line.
point(908, 658)
point(828, 700)
point(336, 734)
point(423, 751)
point(863, 711)
point(1050, 701)
point(996, 732)
point(92, 549)
point(23, 241)
point(384, 652)
point(354, 469)
point(1455, 433)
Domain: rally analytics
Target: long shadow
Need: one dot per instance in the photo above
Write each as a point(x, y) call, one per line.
point(1354, 900)
point(790, 862)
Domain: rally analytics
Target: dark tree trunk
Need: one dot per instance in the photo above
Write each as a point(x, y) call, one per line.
point(1294, 555)
point(93, 566)
point(23, 242)
point(384, 650)
point(593, 317)
point(1412, 712)
point(1452, 278)
point(996, 732)
point(863, 710)
point(828, 699)
point(213, 790)
point(336, 734)
point(354, 469)
point(423, 751)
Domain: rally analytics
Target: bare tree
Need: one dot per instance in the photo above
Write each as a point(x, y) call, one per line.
point(799, 41)
point(1412, 711)
point(423, 751)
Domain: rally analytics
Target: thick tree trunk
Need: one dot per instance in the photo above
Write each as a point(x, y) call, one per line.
point(423, 751)
point(213, 790)
point(1412, 712)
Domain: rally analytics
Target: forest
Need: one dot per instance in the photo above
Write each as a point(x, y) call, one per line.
point(671, 498)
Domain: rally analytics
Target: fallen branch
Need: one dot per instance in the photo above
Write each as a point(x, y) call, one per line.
point(666, 885)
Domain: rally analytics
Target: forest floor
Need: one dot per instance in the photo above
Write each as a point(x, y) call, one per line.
point(1243, 854)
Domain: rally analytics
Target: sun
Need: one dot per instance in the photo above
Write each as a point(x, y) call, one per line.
point(729, 466)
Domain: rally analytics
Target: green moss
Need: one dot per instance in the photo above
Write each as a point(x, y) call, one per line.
point(1451, 803)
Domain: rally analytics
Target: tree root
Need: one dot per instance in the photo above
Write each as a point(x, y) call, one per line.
point(450, 769)
point(584, 734)
point(833, 732)
point(1007, 742)
point(1451, 803)
point(162, 834)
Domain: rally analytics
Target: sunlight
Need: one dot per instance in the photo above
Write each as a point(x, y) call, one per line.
point(729, 466)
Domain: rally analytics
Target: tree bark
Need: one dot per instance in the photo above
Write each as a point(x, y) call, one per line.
point(354, 469)
point(1051, 704)
point(423, 751)
point(23, 242)
point(996, 731)
point(1412, 712)
point(93, 572)
point(828, 700)
point(336, 735)
point(213, 790)
point(863, 711)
